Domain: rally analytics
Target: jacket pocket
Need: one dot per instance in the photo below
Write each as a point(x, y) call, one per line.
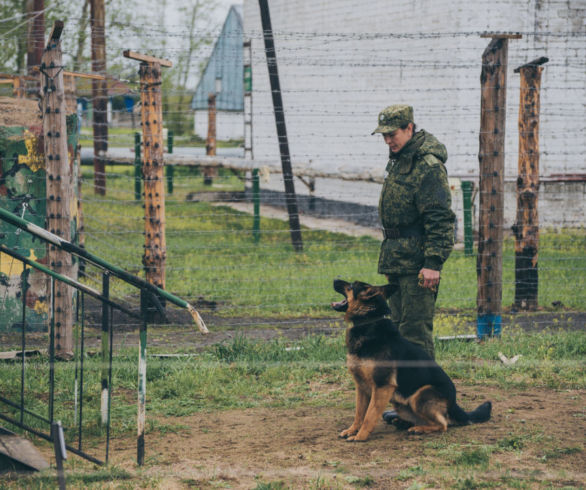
point(403, 255)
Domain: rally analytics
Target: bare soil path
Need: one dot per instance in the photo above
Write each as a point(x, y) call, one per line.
point(535, 438)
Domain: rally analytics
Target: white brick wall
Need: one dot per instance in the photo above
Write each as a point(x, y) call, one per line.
point(339, 67)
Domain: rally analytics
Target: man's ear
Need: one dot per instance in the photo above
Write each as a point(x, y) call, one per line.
point(388, 290)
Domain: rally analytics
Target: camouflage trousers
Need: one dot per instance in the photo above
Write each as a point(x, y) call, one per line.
point(412, 308)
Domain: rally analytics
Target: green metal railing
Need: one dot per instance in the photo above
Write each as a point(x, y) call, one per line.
point(149, 295)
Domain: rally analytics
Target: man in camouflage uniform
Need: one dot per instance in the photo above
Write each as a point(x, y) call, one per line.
point(418, 223)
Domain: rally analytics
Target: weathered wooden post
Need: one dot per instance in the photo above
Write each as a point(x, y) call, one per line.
point(290, 196)
point(526, 227)
point(155, 249)
point(70, 97)
point(489, 262)
point(35, 13)
point(18, 87)
point(59, 189)
point(208, 172)
point(99, 94)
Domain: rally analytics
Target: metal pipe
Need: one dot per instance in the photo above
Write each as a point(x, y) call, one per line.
point(82, 353)
point(141, 409)
point(111, 344)
point(67, 280)
point(42, 435)
point(116, 271)
point(23, 341)
point(52, 352)
point(28, 412)
point(468, 231)
point(256, 201)
point(105, 341)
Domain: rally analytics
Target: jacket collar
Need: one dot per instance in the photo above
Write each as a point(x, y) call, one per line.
point(404, 157)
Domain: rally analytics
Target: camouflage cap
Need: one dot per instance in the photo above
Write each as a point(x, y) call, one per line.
point(394, 117)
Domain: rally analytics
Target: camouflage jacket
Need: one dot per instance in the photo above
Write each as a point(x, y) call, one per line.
point(416, 194)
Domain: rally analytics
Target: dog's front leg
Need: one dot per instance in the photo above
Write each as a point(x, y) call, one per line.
point(378, 401)
point(362, 401)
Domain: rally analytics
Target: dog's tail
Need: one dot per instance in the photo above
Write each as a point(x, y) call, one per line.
point(478, 415)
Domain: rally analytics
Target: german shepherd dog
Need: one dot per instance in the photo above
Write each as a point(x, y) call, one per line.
point(387, 367)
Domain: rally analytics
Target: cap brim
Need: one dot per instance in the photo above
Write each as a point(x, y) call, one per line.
point(385, 129)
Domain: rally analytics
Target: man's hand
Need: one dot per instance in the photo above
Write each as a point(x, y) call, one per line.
point(429, 278)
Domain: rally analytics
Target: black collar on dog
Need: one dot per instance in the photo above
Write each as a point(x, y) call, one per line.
point(361, 322)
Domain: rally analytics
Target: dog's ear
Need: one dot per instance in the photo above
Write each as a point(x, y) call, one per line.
point(370, 292)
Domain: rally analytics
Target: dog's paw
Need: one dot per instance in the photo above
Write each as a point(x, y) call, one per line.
point(418, 430)
point(354, 439)
point(360, 436)
point(347, 433)
point(424, 429)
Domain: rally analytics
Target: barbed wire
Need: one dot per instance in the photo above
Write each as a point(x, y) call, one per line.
point(308, 55)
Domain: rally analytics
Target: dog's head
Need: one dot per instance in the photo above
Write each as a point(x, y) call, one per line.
point(361, 300)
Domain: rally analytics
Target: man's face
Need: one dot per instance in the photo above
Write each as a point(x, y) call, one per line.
point(398, 138)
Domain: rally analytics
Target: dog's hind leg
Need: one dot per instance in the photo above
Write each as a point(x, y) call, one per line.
point(440, 424)
point(362, 401)
point(378, 402)
point(430, 409)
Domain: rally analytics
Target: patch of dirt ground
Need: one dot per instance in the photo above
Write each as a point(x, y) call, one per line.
point(535, 438)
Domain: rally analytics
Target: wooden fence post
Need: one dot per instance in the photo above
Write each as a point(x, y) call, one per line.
point(155, 249)
point(99, 94)
point(526, 227)
point(209, 172)
point(59, 189)
point(489, 263)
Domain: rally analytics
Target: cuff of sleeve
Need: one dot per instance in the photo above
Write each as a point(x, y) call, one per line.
point(433, 262)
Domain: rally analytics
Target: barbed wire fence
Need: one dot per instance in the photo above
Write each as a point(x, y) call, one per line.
point(334, 84)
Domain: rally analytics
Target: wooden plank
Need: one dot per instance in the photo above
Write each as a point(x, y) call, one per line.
point(501, 35)
point(146, 58)
point(537, 62)
point(91, 76)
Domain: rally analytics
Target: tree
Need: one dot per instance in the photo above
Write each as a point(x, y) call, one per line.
point(13, 34)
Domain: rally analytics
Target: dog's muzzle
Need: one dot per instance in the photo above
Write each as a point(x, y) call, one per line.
point(340, 305)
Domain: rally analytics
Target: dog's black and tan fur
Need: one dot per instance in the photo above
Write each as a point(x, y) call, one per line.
point(387, 367)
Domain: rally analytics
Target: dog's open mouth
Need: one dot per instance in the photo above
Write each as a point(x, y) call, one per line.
point(340, 305)
point(340, 287)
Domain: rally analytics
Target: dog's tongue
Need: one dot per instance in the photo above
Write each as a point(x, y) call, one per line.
point(339, 304)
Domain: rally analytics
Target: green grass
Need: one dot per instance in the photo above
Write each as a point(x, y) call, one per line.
point(124, 137)
point(309, 373)
point(244, 374)
point(211, 254)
